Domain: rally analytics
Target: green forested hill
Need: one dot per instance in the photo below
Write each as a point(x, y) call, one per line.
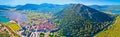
point(112, 31)
point(81, 21)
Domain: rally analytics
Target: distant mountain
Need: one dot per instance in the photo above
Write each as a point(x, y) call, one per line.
point(98, 7)
point(4, 7)
point(115, 9)
point(78, 20)
point(105, 7)
point(42, 7)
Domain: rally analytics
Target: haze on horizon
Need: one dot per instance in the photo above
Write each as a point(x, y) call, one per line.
point(86, 2)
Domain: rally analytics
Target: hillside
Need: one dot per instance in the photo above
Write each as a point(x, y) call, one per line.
point(81, 21)
point(112, 31)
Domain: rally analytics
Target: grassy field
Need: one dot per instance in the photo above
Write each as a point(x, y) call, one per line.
point(112, 31)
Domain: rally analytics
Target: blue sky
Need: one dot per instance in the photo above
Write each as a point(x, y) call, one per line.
point(86, 2)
